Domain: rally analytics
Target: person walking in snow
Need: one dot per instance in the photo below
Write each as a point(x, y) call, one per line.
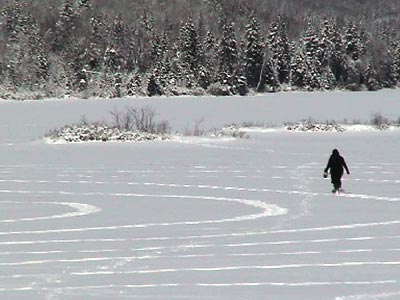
point(336, 164)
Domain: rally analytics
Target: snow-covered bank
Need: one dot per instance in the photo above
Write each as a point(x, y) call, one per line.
point(317, 127)
point(28, 120)
point(81, 133)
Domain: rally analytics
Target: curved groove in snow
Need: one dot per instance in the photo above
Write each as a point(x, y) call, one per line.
point(80, 210)
point(267, 210)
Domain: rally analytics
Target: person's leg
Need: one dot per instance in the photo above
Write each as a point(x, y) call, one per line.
point(336, 182)
point(336, 185)
point(339, 184)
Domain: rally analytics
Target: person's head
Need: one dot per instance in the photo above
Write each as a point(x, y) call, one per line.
point(335, 152)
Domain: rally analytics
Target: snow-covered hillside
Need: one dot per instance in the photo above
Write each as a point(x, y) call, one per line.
point(199, 217)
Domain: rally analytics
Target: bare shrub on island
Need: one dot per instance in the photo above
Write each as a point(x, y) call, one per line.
point(131, 125)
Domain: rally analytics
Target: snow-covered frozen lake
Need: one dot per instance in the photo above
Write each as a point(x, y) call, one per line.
point(201, 218)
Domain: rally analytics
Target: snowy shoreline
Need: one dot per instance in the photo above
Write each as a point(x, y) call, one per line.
point(102, 134)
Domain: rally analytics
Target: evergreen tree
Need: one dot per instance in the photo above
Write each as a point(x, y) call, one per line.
point(152, 86)
point(279, 47)
point(337, 54)
point(311, 46)
point(26, 54)
point(299, 71)
point(371, 81)
point(161, 60)
point(143, 35)
point(134, 85)
point(99, 30)
point(112, 60)
point(325, 42)
point(227, 52)
point(209, 60)
point(85, 4)
point(189, 51)
point(65, 26)
point(204, 77)
point(391, 66)
point(352, 42)
point(118, 34)
point(328, 80)
point(270, 76)
point(254, 53)
point(12, 20)
point(242, 86)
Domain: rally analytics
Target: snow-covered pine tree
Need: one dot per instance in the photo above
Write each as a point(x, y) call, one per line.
point(335, 50)
point(85, 4)
point(227, 52)
point(134, 85)
point(37, 52)
point(118, 90)
point(25, 52)
point(100, 29)
point(352, 41)
point(65, 26)
point(396, 61)
point(112, 60)
point(203, 77)
point(143, 35)
point(391, 64)
point(118, 34)
point(11, 27)
point(254, 52)
point(327, 50)
point(242, 86)
point(270, 76)
point(285, 57)
point(299, 70)
point(209, 60)
point(189, 52)
point(12, 19)
point(328, 80)
point(370, 78)
point(355, 45)
point(325, 41)
point(161, 59)
point(152, 86)
point(278, 45)
point(313, 52)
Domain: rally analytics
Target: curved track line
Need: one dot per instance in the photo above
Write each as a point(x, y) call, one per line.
point(190, 186)
point(192, 246)
point(206, 285)
point(267, 210)
point(154, 257)
point(241, 268)
point(189, 247)
point(327, 228)
point(370, 296)
point(81, 210)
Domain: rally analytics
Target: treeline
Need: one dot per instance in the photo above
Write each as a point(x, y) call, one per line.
point(116, 48)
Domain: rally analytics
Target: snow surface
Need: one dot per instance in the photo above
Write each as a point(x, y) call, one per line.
point(196, 218)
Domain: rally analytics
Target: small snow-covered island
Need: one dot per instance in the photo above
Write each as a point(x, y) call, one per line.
point(99, 133)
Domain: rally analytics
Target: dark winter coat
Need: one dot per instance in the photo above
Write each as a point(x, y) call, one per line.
point(336, 164)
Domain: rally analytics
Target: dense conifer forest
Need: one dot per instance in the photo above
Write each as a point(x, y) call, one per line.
point(117, 48)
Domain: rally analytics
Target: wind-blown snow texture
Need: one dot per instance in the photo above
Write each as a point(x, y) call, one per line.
point(200, 218)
